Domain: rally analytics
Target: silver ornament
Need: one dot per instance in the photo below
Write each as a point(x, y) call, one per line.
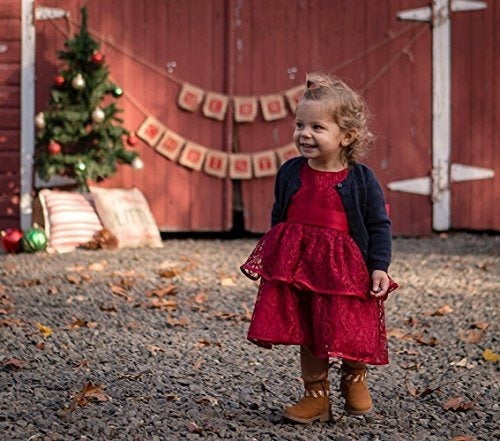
point(78, 82)
point(40, 120)
point(137, 163)
point(98, 115)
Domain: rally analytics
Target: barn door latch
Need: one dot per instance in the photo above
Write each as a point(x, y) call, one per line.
point(46, 13)
point(425, 13)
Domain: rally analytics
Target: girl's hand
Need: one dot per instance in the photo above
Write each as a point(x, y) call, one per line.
point(380, 283)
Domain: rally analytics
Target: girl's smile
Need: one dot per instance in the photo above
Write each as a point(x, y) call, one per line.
point(318, 137)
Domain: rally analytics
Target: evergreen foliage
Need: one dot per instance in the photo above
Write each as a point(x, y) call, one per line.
point(86, 148)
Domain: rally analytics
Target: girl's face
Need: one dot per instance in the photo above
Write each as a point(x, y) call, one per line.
point(318, 137)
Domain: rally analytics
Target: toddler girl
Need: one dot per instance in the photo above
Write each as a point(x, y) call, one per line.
point(323, 265)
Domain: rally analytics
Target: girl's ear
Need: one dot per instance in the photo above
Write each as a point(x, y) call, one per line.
point(349, 137)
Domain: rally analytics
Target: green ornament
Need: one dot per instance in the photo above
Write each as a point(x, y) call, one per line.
point(34, 240)
point(117, 92)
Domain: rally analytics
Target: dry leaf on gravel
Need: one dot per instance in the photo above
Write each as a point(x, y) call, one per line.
point(200, 298)
point(170, 272)
point(13, 363)
point(480, 325)
point(76, 269)
point(181, 321)
point(194, 428)
point(90, 393)
point(445, 309)
point(471, 335)
point(489, 355)
point(421, 393)
point(107, 307)
point(11, 323)
point(161, 291)
point(227, 281)
point(52, 290)
point(162, 304)
point(198, 363)
point(40, 345)
point(98, 266)
point(75, 279)
point(172, 397)
point(80, 323)
point(153, 350)
point(462, 438)
point(204, 343)
point(28, 282)
point(44, 330)
point(458, 404)
point(121, 292)
point(207, 400)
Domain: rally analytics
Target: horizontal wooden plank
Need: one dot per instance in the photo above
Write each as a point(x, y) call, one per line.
point(9, 222)
point(10, 29)
point(10, 96)
point(9, 161)
point(10, 140)
point(10, 9)
point(10, 118)
point(10, 74)
point(9, 205)
point(10, 51)
point(10, 183)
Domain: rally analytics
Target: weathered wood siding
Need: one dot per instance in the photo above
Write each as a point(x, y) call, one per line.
point(476, 116)
point(10, 97)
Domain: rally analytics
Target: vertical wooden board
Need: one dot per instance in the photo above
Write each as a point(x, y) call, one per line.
point(10, 9)
point(475, 93)
point(10, 29)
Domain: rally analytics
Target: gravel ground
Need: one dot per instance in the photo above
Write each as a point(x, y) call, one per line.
point(150, 345)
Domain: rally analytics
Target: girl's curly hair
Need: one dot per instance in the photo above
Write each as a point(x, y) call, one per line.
point(347, 108)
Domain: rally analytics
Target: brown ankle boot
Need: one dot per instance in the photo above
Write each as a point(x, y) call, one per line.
point(354, 389)
point(315, 405)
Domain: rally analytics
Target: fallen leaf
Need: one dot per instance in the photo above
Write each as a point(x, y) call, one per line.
point(82, 364)
point(458, 404)
point(74, 279)
point(29, 282)
point(40, 345)
point(98, 266)
point(11, 323)
point(200, 298)
point(121, 292)
point(421, 393)
point(204, 343)
point(76, 269)
point(161, 291)
point(480, 325)
point(207, 400)
point(489, 355)
point(194, 428)
point(5, 299)
point(44, 330)
point(172, 397)
point(5, 311)
point(80, 323)
point(445, 309)
point(13, 363)
point(181, 321)
point(198, 363)
point(90, 393)
point(462, 438)
point(464, 362)
point(431, 341)
point(52, 290)
point(107, 307)
point(227, 281)
point(162, 304)
point(471, 335)
point(396, 332)
point(170, 272)
point(153, 350)
point(412, 321)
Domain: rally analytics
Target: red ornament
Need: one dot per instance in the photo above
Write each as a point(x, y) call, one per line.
point(11, 240)
point(132, 139)
point(54, 148)
point(97, 58)
point(59, 80)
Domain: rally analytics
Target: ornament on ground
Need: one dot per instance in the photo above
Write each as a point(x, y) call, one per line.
point(34, 240)
point(78, 82)
point(11, 240)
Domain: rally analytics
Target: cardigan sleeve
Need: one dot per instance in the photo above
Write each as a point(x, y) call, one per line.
point(378, 226)
point(276, 210)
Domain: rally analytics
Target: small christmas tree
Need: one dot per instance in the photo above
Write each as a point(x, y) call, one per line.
point(80, 136)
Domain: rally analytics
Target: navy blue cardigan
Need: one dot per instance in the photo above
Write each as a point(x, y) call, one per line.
point(363, 202)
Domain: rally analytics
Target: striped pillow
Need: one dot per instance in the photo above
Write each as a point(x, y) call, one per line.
point(70, 219)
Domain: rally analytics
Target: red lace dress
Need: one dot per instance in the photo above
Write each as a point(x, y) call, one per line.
point(315, 286)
